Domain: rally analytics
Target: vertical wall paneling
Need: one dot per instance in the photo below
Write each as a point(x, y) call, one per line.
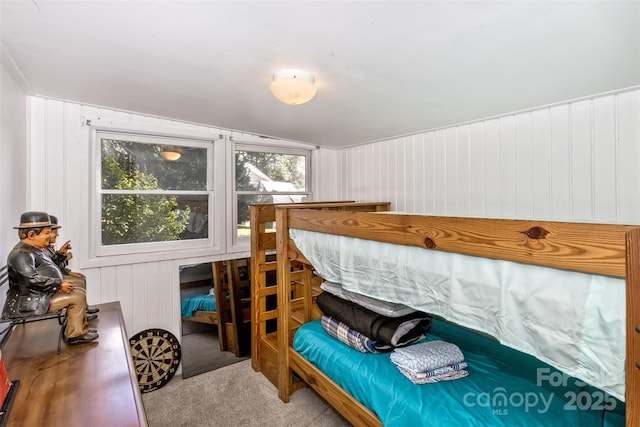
point(492, 176)
point(93, 286)
point(53, 150)
point(604, 159)
point(76, 175)
point(452, 198)
point(440, 173)
point(351, 172)
point(364, 169)
point(419, 178)
point(344, 166)
point(572, 161)
point(392, 193)
point(541, 165)
point(140, 290)
point(508, 166)
point(523, 166)
point(628, 155)
point(108, 279)
point(326, 179)
point(430, 181)
point(560, 162)
point(36, 182)
point(401, 173)
point(376, 169)
point(385, 173)
point(477, 186)
point(367, 171)
point(464, 169)
point(153, 291)
point(123, 289)
point(409, 172)
point(581, 164)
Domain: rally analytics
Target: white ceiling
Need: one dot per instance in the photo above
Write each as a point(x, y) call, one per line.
point(383, 68)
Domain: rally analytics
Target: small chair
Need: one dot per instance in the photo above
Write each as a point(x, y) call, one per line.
point(61, 315)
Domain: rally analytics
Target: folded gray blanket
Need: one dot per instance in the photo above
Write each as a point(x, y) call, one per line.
point(427, 356)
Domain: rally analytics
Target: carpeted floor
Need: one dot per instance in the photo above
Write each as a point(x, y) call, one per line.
point(201, 353)
point(234, 395)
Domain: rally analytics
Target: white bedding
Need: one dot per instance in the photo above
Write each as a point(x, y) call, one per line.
point(573, 321)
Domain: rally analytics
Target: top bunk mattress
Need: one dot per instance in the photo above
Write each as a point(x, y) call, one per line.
point(504, 388)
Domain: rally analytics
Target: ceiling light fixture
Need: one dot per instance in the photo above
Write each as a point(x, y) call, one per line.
point(170, 155)
point(293, 87)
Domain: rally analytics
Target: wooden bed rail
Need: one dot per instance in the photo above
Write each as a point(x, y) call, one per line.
point(606, 249)
point(632, 366)
point(592, 248)
point(263, 247)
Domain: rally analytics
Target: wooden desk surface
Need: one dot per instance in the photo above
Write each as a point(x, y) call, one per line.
point(85, 385)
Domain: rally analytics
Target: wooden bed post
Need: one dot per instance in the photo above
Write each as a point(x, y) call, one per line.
point(258, 258)
point(632, 394)
point(284, 304)
point(220, 289)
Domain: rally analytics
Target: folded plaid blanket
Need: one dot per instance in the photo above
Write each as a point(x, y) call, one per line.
point(353, 338)
point(436, 372)
point(446, 376)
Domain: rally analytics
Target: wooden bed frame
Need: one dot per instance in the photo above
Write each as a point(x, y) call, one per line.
point(232, 315)
point(606, 249)
point(264, 351)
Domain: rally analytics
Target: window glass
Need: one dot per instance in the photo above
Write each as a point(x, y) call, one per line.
point(152, 191)
point(136, 166)
point(263, 176)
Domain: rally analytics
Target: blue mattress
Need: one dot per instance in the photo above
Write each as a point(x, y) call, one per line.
point(194, 303)
point(504, 388)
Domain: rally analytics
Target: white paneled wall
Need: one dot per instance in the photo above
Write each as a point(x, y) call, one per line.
point(576, 161)
point(13, 188)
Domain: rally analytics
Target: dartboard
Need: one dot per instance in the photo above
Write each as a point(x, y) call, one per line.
point(156, 356)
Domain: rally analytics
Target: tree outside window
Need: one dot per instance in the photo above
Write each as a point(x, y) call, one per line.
point(145, 197)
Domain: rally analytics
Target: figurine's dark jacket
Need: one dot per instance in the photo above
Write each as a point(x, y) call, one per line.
point(33, 279)
point(58, 259)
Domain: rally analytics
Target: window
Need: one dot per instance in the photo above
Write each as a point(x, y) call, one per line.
point(264, 175)
point(153, 192)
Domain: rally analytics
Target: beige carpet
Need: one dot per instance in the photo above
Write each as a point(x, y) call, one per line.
point(201, 353)
point(234, 395)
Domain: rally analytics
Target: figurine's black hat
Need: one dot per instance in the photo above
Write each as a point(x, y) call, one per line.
point(34, 219)
point(54, 221)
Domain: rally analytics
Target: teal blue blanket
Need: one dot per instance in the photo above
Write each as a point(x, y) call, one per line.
point(198, 302)
point(504, 388)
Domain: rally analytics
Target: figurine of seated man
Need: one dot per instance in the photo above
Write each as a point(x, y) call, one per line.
point(36, 283)
point(61, 258)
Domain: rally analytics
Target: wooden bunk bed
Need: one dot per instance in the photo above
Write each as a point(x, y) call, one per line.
point(233, 314)
point(264, 313)
point(598, 249)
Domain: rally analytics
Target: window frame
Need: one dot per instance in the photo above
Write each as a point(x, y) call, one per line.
point(215, 233)
point(238, 244)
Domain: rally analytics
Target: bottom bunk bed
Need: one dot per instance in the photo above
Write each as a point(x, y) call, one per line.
point(552, 381)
